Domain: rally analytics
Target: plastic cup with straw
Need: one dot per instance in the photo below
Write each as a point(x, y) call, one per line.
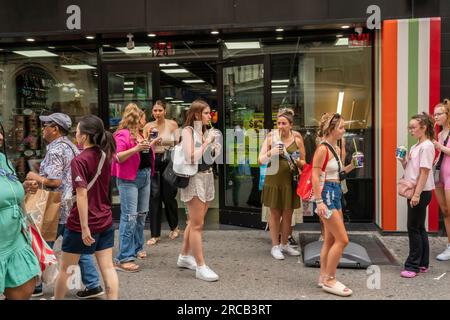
point(357, 157)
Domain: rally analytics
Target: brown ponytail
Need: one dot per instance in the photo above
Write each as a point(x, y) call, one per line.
point(424, 119)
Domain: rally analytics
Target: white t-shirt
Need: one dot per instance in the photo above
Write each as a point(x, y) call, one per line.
point(421, 155)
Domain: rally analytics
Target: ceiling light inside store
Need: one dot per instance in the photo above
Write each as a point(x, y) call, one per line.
point(213, 90)
point(136, 50)
point(168, 65)
point(128, 89)
point(90, 37)
point(151, 35)
point(30, 40)
point(279, 91)
point(242, 45)
point(36, 53)
point(171, 71)
point(339, 36)
point(279, 38)
point(177, 101)
point(279, 30)
point(193, 81)
point(280, 86)
point(128, 83)
point(281, 81)
point(340, 102)
point(168, 98)
point(345, 27)
point(342, 42)
point(51, 47)
point(214, 32)
point(78, 66)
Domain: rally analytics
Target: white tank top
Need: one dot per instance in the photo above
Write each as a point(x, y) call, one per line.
point(332, 169)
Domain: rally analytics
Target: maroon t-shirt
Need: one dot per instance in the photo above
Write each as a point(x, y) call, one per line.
point(84, 167)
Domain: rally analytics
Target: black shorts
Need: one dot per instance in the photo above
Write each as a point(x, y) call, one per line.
point(73, 243)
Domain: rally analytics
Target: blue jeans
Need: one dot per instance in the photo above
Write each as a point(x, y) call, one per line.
point(89, 274)
point(134, 206)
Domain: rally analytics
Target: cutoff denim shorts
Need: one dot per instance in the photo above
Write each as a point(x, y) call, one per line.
point(332, 195)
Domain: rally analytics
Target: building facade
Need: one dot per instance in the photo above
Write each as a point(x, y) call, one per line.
point(376, 62)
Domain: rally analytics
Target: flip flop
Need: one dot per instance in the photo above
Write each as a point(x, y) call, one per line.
point(153, 241)
point(128, 267)
point(338, 289)
point(174, 233)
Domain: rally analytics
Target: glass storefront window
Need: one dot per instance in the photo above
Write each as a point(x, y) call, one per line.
point(327, 78)
point(127, 87)
point(35, 82)
point(243, 87)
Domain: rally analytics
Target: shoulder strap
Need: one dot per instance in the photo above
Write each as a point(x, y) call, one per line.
point(324, 166)
point(441, 156)
point(99, 170)
point(334, 154)
point(70, 147)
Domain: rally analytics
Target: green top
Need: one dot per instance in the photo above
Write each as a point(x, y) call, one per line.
point(278, 192)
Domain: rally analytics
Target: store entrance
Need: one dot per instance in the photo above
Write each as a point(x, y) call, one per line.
point(177, 84)
point(246, 113)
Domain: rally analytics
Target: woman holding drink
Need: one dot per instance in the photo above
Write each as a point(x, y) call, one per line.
point(278, 193)
point(162, 191)
point(420, 182)
point(132, 167)
point(328, 205)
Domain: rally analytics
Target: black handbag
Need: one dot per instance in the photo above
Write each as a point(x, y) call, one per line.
point(174, 180)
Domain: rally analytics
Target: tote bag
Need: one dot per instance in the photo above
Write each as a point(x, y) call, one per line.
point(304, 187)
point(44, 207)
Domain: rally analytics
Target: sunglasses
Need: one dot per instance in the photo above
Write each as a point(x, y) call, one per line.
point(335, 116)
point(11, 176)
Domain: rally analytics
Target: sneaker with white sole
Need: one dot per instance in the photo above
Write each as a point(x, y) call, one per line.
point(276, 253)
point(206, 274)
point(289, 250)
point(187, 262)
point(445, 255)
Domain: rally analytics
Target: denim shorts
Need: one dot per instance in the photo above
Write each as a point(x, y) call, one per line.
point(73, 243)
point(332, 195)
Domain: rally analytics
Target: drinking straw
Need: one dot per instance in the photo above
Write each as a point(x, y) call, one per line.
point(356, 149)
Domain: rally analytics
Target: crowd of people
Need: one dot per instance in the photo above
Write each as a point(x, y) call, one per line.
point(138, 154)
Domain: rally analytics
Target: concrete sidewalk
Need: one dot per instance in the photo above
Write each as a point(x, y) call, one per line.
point(247, 271)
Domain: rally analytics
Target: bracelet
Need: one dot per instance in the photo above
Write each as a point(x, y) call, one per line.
point(319, 201)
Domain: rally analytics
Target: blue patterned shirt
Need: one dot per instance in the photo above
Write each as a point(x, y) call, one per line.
point(56, 165)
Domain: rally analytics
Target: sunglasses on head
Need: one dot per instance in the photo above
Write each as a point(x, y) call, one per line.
point(335, 116)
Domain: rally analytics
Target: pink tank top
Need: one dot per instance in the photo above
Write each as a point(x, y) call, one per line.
point(445, 166)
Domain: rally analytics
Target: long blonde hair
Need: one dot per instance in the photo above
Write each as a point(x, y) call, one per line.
point(131, 120)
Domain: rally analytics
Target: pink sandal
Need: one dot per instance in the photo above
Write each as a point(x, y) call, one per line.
point(408, 274)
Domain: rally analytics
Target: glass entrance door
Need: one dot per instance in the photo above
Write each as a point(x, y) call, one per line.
point(123, 84)
point(244, 100)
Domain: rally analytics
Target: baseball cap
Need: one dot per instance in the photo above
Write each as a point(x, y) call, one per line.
point(61, 119)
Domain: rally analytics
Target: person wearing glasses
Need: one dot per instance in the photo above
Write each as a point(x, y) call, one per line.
point(417, 166)
point(442, 191)
point(328, 206)
point(55, 174)
point(18, 263)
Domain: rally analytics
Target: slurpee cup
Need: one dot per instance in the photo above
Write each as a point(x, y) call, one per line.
point(401, 152)
point(358, 159)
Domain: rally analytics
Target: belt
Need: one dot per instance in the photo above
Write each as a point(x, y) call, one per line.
point(206, 171)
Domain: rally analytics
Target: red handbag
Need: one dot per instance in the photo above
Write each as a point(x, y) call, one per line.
point(305, 187)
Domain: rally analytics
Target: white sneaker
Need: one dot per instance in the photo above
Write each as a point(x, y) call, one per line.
point(445, 255)
point(276, 253)
point(206, 274)
point(289, 250)
point(187, 262)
